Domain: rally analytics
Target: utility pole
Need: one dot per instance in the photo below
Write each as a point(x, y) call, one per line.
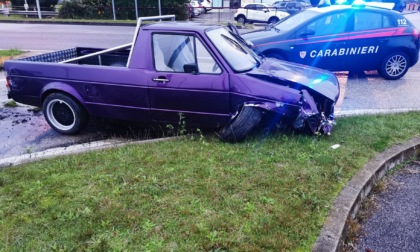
point(113, 9)
point(39, 9)
point(137, 11)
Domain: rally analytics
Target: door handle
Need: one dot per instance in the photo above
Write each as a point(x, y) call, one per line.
point(161, 79)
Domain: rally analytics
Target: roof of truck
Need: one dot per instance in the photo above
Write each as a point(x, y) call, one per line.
point(179, 26)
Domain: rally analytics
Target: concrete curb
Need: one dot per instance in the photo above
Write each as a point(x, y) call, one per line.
point(71, 150)
point(347, 204)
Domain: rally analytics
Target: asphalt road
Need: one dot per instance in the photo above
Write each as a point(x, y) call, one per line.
point(52, 37)
point(394, 224)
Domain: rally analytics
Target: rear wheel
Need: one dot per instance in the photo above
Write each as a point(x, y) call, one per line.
point(247, 120)
point(394, 66)
point(64, 114)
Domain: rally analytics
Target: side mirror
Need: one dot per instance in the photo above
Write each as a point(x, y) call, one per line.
point(191, 68)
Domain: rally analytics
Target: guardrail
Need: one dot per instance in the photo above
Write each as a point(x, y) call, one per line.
point(9, 12)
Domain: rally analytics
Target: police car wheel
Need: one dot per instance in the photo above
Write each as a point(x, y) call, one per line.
point(394, 66)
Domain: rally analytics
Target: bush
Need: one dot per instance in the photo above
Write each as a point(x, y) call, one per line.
point(124, 9)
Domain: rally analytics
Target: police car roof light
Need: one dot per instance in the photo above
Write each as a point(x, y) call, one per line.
point(340, 1)
point(380, 5)
point(359, 3)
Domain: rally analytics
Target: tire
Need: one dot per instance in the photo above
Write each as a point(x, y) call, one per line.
point(273, 20)
point(394, 66)
point(64, 114)
point(247, 120)
point(241, 19)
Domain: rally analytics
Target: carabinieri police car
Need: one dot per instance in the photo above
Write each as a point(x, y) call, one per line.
point(343, 38)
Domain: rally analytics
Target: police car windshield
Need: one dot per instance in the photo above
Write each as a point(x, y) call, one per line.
point(236, 53)
point(294, 21)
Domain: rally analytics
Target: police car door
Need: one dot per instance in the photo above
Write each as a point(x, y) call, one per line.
point(369, 39)
point(321, 42)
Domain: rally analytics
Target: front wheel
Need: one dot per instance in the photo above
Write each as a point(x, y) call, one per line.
point(394, 66)
point(247, 120)
point(241, 19)
point(64, 114)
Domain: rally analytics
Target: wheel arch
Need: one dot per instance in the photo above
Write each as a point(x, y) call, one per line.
point(58, 87)
point(405, 50)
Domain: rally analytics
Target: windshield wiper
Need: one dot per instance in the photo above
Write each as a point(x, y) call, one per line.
point(235, 44)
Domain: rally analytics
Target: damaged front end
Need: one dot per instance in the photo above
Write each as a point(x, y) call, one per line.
point(307, 95)
point(311, 119)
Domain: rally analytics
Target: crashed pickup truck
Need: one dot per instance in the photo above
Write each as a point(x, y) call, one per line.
point(206, 73)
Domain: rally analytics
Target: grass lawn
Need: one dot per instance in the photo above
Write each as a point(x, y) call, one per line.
point(191, 194)
point(11, 52)
point(6, 54)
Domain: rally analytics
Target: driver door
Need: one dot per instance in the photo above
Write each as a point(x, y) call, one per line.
point(187, 82)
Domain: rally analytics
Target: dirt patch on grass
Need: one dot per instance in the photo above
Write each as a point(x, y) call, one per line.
point(2, 60)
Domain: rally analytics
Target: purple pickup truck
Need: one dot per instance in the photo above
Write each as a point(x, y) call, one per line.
point(206, 73)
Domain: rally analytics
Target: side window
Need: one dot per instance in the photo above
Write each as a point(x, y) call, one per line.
point(173, 53)
point(206, 63)
point(386, 22)
point(260, 7)
point(367, 21)
point(327, 25)
point(250, 7)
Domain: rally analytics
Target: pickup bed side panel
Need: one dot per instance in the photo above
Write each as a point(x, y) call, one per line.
point(104, 91)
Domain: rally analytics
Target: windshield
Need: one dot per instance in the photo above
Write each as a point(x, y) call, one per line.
point(238, 55)
point(294, 21)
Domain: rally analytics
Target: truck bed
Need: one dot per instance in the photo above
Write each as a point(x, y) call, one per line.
point(113, 58)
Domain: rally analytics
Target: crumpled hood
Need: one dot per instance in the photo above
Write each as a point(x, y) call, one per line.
point(287, 73)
